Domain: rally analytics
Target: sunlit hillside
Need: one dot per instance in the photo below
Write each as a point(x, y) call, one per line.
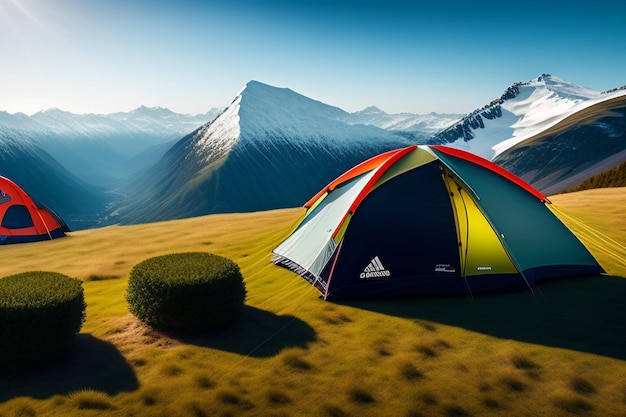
point(558, 352)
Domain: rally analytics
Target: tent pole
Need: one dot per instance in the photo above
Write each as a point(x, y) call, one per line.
point(463, 247)
point(332, 268)
point(44, 223)
point(509, 252)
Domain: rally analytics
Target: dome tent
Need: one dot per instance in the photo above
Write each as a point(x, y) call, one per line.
point(24, 220)
point(430, 220)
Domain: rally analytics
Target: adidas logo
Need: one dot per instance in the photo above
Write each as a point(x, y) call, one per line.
point(444, 268)
point(375, 269)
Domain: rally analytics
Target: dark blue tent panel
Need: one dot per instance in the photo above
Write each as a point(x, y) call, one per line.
point(410, 239)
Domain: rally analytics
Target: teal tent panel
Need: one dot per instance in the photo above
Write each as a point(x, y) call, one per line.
point(538, 242)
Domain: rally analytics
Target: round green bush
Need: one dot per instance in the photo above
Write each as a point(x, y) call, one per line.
point(191, 290)
point(40, 313)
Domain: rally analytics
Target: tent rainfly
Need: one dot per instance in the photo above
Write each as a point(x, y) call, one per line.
point(24, 220)
point(430, 220)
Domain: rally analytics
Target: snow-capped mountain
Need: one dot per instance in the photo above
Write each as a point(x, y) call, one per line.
point(551, 132)
point(524, 110)
point(271, 148)
point(262, 113)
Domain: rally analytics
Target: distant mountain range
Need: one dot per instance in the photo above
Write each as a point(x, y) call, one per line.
point(272, 147)
point(98, 147)
point(74, 163)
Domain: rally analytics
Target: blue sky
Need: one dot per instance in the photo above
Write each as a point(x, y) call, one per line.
point(102, 56)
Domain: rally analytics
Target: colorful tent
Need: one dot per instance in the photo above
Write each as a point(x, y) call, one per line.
point(430, 220)
point(23, 220)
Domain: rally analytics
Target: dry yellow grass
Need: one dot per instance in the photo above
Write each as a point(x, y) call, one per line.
point(560, 352)
point(598, 217)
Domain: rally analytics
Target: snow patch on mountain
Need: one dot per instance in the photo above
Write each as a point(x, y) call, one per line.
point(269, 112)
point(524, 110)
point(546, 105)
point(216, 139)
point(430, 123)
point(263, 113)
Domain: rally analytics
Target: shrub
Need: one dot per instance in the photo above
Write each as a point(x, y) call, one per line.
point(89, 399)
point(192, 290)
point(40, 313)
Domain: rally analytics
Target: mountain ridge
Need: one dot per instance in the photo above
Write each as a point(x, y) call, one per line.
point(271, 148)
point(550, 132)
point(523, 111)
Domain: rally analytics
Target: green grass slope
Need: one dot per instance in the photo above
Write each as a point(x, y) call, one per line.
point(560, 352)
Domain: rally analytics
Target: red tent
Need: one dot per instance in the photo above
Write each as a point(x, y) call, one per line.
point(23, 220)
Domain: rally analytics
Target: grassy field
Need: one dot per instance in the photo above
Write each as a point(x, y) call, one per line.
point(559, 352)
